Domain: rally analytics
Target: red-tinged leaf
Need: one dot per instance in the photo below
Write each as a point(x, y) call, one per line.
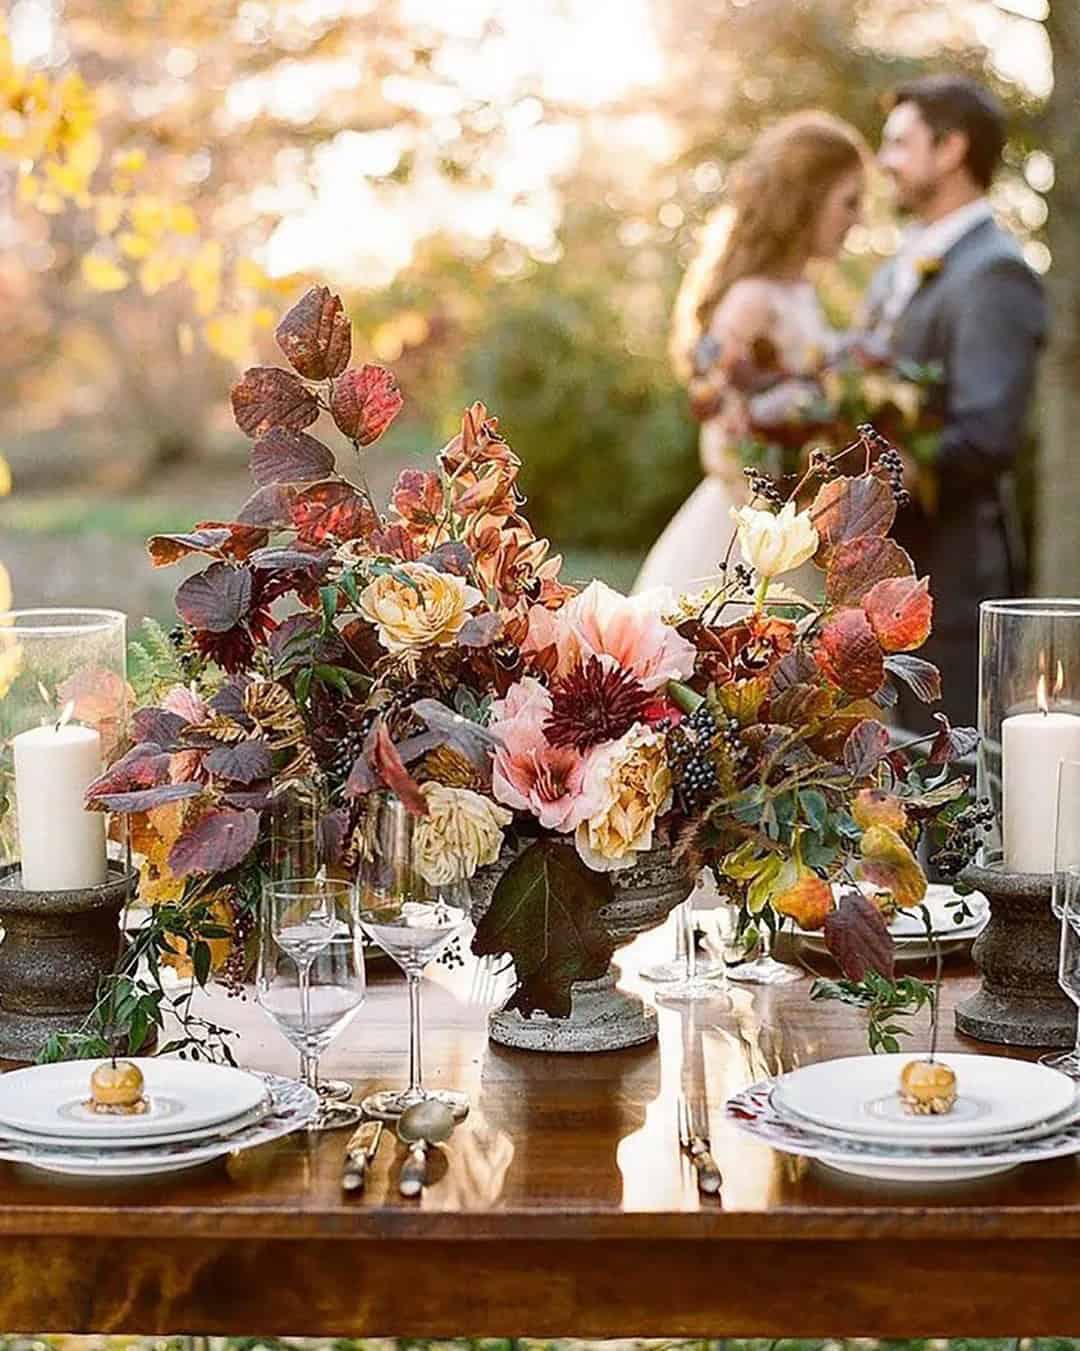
point(388, 766)
point(480, 631)
point(215, 600)
point(860, 563)
point(334, 835)
point(847, 507)
point(295, 643)
point(243, 762)
point(362, 778)
point(160, 726)
point(849, 654)
point(255, 798)
point(143, 799)
point(164, 550)
point(97, 695)
point(269, 508)
point(269, 396)
point(951, 743)
point(283, 456)
point(364, 402)
point(217, 842)
point(144, 766)
point(292, 559)
point(315, 335)
point(901, 612)
point(809, 901)
point(857, 936)
point(334, 508)
point(454, 557)
point(395, 542)
point(244, 539)
point(865, 747)
point(797, 668)
point(921, 677)
point(800, 704)
point(418, 498)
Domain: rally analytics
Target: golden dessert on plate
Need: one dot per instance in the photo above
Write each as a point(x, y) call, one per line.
point(927, 1088)
point(116, 1089)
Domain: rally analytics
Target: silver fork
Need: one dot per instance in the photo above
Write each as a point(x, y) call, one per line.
point(694, 1140)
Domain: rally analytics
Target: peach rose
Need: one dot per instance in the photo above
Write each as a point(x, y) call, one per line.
point(427, 610)
point(631, 779)
point(462, 831)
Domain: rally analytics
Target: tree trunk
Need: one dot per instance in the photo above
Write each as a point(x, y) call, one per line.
point(1057, 537)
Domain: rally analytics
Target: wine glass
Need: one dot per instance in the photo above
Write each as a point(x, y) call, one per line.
point(678, 967)
point(699, 979)
point(311, 978)
point(1067, 893)
point(763, 968)
point(412, 920)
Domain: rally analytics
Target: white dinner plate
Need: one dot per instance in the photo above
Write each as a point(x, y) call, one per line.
point(909, 932)
point(293, 1105)
point(858, 1095)
point(752, 1111)
point(203, 1134)
point(184, 1096)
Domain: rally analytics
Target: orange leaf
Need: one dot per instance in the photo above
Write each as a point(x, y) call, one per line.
point(875, 807)
point(847, 507)
point(900, 610)
point(808, 902)
point(849, 654)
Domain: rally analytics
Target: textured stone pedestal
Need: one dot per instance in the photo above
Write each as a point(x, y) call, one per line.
point(58, 946)
point(1020, 1002)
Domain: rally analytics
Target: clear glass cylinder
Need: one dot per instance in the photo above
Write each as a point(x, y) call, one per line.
point(1029, 722)
point(296, 810)
point(63, 718)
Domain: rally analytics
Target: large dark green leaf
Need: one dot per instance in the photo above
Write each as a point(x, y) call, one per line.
point(545, 914)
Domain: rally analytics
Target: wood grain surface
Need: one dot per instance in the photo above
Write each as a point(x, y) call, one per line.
point(561, 1207)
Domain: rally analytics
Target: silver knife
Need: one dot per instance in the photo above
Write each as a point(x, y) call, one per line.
point(359, 1152)
point(694, 1139)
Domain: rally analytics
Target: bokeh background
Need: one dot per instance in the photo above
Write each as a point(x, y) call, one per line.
point(506, 193)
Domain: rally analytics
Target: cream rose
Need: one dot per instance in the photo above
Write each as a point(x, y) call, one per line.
point(428, 610)
point(775, 543)
point(462, 832)
point(630, 777)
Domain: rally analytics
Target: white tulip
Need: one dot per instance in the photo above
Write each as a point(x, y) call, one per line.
point(775, 543)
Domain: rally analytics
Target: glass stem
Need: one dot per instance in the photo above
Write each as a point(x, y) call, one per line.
point(680, 932)
point(416, 1072)
point(309, 1061)
point(688, 939)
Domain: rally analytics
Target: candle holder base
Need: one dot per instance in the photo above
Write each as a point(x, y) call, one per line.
point(1020, 1002)
point(58, 946)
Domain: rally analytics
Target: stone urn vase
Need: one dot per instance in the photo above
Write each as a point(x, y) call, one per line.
point(602, 1017)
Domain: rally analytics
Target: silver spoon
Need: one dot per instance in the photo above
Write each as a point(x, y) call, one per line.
point(426, 1123)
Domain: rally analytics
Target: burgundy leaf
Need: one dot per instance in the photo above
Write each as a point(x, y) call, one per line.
point(256, 797)
point(269, 396)
point(364, 402)
point(315, 335)
point(218, 842)
point(144, 799)
point(951, 743)
point(921, 677)
point(334, 834)
point(215, 600)
point(418, 498)
point(286, 559)
point(858, 564)
point(294, 643)
point(269, 508)
point(857, 936)
point(388, 766)
point(165, 550)
point(229, 700)
point(847, 507)
point(243, 762)
point(333, 508)
point(866, 745)
point(480, 630)
point(144, 766)
point(454, 556)
point(159, 725)
point(849, 654)
point(362, 778)
point(283, 456)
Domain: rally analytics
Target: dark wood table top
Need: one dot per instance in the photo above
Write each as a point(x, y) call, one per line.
point(562, 1206)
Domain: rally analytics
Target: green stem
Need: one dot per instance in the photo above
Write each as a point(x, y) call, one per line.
point(760, 594)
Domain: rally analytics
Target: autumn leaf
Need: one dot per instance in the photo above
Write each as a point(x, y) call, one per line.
point(315, 335)
point(269, 508)
point(334, 508)
point(158, 725)
point(900, 611)
point(858, 564)
point(243, 762)
point(865, 747)
point(857, 936)
point(388, 765)
point(808, 902)
point(418, 498)
point(951, 743)
point(889, 864)
point(284, 456)
point(800, 704)
point(875, 807)
point(848, 507)
point(364, 402)
point(921, 677)
point(215, 538)
point(217, 842)
point(849, 654)
point(215, 600)
point(269, 396)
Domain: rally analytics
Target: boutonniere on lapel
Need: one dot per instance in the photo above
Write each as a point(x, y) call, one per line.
point(927, 268)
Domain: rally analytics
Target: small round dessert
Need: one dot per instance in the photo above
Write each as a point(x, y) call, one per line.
point(116, 1088)
point(927, 1088)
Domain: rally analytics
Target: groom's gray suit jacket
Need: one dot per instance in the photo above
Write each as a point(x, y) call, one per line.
point(982, 317)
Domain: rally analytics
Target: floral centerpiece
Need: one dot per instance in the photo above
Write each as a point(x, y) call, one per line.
point(554, 734)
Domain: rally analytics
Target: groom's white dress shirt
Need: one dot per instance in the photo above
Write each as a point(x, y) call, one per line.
point(928, 243)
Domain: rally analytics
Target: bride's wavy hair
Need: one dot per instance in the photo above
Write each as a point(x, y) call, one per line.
point(776, 193)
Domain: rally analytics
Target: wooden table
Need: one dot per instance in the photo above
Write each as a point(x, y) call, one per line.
point(562, 1207)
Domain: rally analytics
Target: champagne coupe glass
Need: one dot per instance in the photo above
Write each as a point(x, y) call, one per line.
point(700, 980)
point(412, 919)
point(311, 978)
point(763, 968)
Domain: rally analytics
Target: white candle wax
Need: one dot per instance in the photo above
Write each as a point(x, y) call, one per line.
point(1032, 747)
point(61, 844)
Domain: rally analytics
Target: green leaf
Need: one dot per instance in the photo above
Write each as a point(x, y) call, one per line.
point(815, 809)
point(303, 685)
point(328, 595)
point(545, 914)
point(200, 961)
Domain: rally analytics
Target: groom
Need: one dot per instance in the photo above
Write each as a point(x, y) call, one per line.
point(958, 293)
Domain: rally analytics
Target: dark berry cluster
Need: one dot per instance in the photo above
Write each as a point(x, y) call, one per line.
point(452, 957)
point(888, 458)
point(761, 485)
point(821, 464)
point(346, 749)
point(694, 748)
point(187, 654)
point(964, 837)
point(234, 968)
point(744, 576)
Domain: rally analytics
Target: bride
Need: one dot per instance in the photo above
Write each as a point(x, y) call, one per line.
point(749, 334)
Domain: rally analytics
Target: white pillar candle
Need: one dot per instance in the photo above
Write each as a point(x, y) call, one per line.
point(61, 844)
point(1032, 747)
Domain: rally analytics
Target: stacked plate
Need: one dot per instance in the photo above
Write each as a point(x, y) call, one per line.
point(909, 930)
point(195, 1112)
point(848, 1114)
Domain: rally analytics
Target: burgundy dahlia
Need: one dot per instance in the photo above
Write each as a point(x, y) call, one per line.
point(592, 704)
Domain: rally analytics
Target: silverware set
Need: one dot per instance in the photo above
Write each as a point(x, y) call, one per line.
point(425, 1124)
point(694, 1142)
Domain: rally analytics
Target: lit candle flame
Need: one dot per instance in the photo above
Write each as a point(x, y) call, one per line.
point(1040, 695)
point(65, 715)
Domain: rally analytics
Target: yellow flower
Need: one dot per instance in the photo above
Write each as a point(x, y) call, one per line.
point(631, 780)
point(415, 606)
point(778, 543)
point(462, 832)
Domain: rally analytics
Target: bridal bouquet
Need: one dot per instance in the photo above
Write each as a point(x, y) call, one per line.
point(544, 734)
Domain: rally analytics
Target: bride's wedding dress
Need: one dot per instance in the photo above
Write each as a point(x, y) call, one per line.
point(789, 317)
